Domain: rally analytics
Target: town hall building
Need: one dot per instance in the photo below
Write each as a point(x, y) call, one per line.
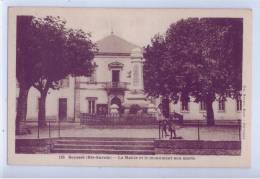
point(116, 83)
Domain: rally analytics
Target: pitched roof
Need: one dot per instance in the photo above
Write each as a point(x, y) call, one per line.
point(113, 44)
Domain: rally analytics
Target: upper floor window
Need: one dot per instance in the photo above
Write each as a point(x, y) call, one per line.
point(185, 106)
point(92, 78)
point(221, 105)
point(65, 83)
point(202, 106)
point(239, 104)
point(115, 75)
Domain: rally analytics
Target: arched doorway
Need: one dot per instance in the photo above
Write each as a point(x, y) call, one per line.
point(116, 101)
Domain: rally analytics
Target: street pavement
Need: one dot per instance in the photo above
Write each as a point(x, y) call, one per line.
point(215, 133)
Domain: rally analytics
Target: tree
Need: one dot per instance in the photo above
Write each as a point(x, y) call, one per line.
point(160, 72)
point(63, 52)
point(26, 65)
point(204, 60)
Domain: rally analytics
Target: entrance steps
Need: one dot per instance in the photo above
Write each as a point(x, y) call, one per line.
point(127, 146)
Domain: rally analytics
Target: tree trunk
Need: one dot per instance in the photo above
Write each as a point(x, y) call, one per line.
point(21, 111)
point(210, 112)
point(42, 110)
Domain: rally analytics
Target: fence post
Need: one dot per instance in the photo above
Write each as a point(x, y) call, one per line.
point(162, 130)
point(198, 130)
point(159, 124)
point(38, 130)
point(59, 127)
point(170, 127)
point(49, 129)
point(239, 129)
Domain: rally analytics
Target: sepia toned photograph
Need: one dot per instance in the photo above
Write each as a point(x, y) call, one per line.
point(129, 87)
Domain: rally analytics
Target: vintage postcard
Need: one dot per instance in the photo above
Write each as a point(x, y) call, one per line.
point(129, 87)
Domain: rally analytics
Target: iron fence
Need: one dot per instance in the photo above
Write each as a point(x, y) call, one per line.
point(172, 126)
point(118, 119)
point(198, 130)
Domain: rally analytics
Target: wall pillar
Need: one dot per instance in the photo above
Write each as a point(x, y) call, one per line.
point(77, 100)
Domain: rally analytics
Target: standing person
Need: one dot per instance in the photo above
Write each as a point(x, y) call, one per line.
point(172, 127)
point(161, 119)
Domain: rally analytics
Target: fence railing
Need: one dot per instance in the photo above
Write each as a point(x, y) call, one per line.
point(136, 119)
point(172, 126)
point(198, 131)
point(56, 128)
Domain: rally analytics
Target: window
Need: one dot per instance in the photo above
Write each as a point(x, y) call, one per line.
point(185, 106)
point(221, 105)
point(92, 78)
point(65, 83)
point(202, 106)
point(115, 75)
point(91, 105)
point(239, 104)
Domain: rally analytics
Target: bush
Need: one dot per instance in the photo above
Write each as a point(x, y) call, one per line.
point(134, 109)
point(122, 110)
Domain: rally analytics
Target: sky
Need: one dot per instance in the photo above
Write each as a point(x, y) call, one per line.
point(134, 25)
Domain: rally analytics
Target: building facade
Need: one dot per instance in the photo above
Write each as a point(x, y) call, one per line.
point(117, 83)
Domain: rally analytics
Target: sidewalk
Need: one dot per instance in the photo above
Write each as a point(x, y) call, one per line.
point(215, 133)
